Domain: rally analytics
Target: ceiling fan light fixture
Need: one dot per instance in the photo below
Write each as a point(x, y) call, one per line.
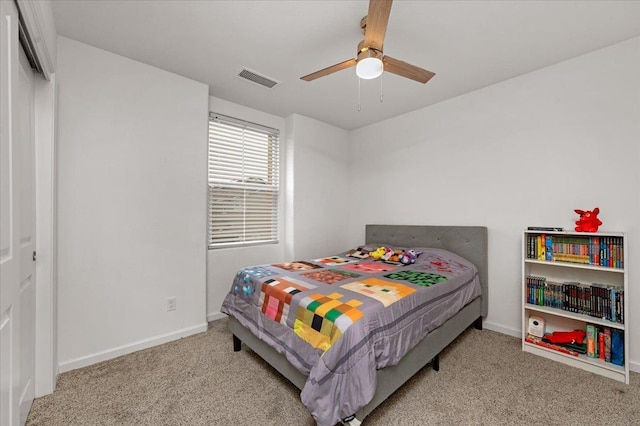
point(369, 68)
point(369, 64)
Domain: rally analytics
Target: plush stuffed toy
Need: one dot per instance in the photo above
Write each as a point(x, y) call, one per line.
point(358, 253)
point(409, 257)
point(392, 255)
point(378, 253)
point(588, 221)
point(576, 336)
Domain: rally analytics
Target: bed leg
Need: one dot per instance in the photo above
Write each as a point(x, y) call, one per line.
point(435, 363)
point(478, 323)
point(237, 344)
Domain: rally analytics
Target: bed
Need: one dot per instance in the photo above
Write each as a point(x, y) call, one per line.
point(348, 371)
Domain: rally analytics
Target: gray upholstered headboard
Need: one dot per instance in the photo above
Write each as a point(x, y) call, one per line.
point(469, 242)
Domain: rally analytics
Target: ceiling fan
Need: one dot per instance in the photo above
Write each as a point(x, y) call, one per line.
point(370, 62)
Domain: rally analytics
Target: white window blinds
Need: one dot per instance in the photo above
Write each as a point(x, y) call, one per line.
point(244, 182)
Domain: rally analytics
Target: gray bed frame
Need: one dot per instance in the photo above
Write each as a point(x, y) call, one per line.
point(469, 242)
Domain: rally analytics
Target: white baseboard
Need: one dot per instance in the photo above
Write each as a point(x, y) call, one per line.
point(502, 329)
point(127, 349)
point(215, 316)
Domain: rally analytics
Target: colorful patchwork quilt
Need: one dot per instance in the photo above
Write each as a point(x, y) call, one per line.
point(339, 318)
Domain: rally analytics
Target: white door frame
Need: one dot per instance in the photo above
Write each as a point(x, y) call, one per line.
point(46, 237)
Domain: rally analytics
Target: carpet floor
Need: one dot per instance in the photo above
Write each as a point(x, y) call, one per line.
point(484, 379)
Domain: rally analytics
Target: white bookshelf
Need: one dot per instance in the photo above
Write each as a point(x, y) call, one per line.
point(558, 319)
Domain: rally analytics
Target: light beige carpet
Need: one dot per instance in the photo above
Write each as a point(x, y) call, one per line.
point(484, 379)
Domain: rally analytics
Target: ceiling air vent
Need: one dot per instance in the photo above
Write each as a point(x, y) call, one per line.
point(254, 77)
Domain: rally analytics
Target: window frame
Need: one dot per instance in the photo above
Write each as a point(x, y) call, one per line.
point(239, 183)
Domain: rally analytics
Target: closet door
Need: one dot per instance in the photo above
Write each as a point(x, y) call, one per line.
point(25, 137)
point(17, 218)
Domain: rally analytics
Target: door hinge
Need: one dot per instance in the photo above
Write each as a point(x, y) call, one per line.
point(34, 255)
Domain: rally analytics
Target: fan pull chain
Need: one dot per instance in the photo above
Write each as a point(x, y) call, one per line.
point(381, 86)
point(358, 94)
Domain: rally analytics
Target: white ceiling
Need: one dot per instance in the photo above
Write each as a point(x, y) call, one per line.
point(468, 44)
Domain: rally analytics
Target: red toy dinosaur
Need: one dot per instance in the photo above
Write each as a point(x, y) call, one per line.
point(588, 221)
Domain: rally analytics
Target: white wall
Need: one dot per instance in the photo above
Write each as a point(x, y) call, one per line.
point(132, 147)
point(320, 180)
point(527, 151)
point(222, 264)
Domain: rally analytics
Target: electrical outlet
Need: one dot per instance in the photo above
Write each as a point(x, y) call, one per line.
point(171, 303)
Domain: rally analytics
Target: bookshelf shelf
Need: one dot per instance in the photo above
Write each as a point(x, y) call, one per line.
point(575, 265)
point(581, 361)
point(577, 281)
point(571, 315)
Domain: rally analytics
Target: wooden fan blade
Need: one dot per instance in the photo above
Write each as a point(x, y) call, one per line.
point(377, 20)
point(404, 69)
point(329, 70)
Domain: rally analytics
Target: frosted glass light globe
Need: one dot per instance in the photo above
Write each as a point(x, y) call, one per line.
point(369, 68)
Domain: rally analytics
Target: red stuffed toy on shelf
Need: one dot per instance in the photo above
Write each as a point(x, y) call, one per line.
point(588, 221)
point(575, 337)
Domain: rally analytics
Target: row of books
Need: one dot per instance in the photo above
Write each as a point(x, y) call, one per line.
point(605, 343)
point(596, 300)
point(589, 250)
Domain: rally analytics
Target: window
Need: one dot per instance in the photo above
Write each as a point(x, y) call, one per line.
point(243, 182)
